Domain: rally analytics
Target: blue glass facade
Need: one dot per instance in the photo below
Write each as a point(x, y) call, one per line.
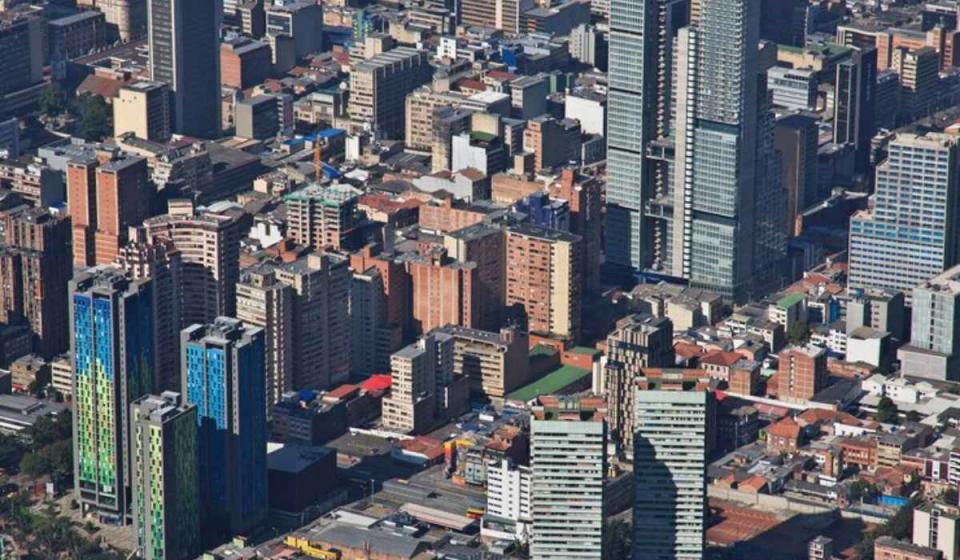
point(224, 377)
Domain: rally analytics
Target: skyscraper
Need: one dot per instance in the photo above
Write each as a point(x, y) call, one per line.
point(209, 246)
point(642, 34)
point(223, 375)
point(910, 234)
point(568, 463)
point(184, 38)
point(112, 344)
point(265, 301)
point(35, 269)
point(671, 443)
point(854, 117)
point(704, 203)
point(166, 507)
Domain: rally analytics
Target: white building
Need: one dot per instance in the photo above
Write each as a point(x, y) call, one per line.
point(568, 466)
point(669, 465)
point(508, 501)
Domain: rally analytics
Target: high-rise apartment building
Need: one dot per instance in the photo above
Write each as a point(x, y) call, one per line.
point(105, 198)
point(379, 88)
point(934, 346)
point(544, 280)
point(671, 443)
point(160, 262)
point(508, 496)
point(35, 269)
point(484, 245)
point(372, 337)
point(300, 21)
point(568, 462)
point(265, 301)
point(424, 389)
point(910, 234)
point(583, 195)
point(321, 321)
point(715, 218)
point(223, 376)
point(854, 114)
point(209, 246)
point(323, 217)
point(639, 341)
point(801, 373)
point(143, 108)
point(445, 291)
point(184, 39)
point(244, 63)
point(114, 362)
point(166, 505)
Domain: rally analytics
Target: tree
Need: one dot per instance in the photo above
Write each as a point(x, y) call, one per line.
point(860, 489)
point(799, 332)
point(55, 459)
point(52, 101)
point(51, 429)
point(94, 117)
point(913, 416)
point(616, 540)
point(887, 411)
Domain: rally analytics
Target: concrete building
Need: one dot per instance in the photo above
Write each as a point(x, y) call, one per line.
point(496, 14)
point(425, 389)
point(257, 118)
point(223, 376)
point(478, 150)
point(919, 72)
point(543, 279)
point(793, 89)
point(266, 302)
point(244, 63)
point(937, 526)
point(321, 327)
point(143, 109)
point(881, 309)
point(509, 499)
point(674, 426)
point(22, 42)
point(639, 341)
point(127, 19)
point(322, 217)
point(114, 357)
point(935, 329)
point(854, 111)
point(184, 40)
point(379, 87)
point(796, 137)
point(589, 108)
point(35, 269)
point(299, 22)
point(209, 246)
point(801, 373)
point(445, 292)
point(372, 336)
point(916, 185)
point(75, 35)
point(166, 504)
point(568, 463)
point(484, 245)
point(552, 142)
point(495, 363)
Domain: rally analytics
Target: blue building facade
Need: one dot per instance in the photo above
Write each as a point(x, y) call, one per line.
point(544, 212)
point(112, 344)
point(224, 377)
